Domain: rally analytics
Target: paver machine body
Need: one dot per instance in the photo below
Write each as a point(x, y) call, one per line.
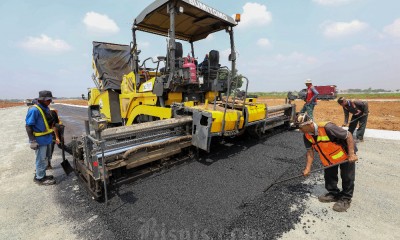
point(140, 115)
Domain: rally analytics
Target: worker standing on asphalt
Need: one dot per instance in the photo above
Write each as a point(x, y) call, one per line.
point(40, 127)
point(359, 109)
point(334, 145)
point(311, 99)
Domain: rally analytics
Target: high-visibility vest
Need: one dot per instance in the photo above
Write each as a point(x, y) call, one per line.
point(329, 152)
point(310, 95)
point(46, 124)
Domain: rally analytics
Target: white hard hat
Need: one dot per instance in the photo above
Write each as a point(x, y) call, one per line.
point(308, 81)
point(303, 119)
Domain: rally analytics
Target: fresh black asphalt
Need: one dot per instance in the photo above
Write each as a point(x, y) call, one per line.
point(219, 196)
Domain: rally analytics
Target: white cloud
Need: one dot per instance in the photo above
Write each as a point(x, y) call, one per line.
point(332, 2)
point(263, 42)
point(255, 14)
point(393, 29)
point(99, 23)
point(210, 37)
point(45, 44)
point(225, 53)
point(340, 29)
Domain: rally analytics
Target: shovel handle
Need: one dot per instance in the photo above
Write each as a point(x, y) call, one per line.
point(301, 175)
point(62, 149)
point(358, 118)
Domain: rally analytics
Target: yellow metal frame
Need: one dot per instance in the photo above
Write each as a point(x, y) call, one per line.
point(256, 112)
point(135, 102)
point(102, 99)
point(142, 102)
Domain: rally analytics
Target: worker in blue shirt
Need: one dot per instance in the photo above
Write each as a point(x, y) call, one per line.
point(40, 129)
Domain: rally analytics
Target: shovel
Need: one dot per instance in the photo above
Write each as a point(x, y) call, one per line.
point(301, 175)
point(65, 164)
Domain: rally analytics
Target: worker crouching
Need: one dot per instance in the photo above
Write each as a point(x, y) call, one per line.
point(336, 147)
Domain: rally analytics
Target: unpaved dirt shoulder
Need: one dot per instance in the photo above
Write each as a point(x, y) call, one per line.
point(383, 113)
point(28, 211)
point(375, 210)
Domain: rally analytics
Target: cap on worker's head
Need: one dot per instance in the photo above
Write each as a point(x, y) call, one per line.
point(45, 95)
point(341, 100)
point(303, 119)
point(308, 81)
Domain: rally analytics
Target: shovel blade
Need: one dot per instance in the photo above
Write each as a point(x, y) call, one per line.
point(66, 167)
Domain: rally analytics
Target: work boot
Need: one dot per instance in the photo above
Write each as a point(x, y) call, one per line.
point(329, 197)
point(44, 181)
point(45, 176)
point(342, 205)
point(51, 177)
point(359, 140)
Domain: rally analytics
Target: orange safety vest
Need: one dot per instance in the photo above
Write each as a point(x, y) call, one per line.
point(329, 152)
point(48, 129)
point(310, 95)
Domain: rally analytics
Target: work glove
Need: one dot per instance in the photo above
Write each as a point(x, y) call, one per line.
point(34, 145)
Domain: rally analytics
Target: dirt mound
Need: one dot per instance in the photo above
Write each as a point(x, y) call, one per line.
point(6, 104)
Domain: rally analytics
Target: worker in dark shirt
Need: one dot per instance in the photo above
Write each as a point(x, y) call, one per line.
point(334, 145)
point(359, 111)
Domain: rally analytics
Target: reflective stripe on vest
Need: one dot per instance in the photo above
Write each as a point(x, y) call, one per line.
point(322, 138)
point(329, 152)
point(48, 130)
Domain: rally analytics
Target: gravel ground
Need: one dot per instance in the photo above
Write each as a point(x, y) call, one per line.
point(219, 197)
point(375, 209)
point(27, 211)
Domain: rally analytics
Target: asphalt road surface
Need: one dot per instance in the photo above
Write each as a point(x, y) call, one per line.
point(210, 198)
point(73, 117)
point(219, 197)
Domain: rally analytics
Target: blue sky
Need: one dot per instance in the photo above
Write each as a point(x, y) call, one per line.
point(47, 44)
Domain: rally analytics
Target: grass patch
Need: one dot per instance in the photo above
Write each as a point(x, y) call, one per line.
point(371, 95)
point(277, 95)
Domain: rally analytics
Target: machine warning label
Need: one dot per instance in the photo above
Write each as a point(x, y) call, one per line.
point(148, 86)
point(208, 9)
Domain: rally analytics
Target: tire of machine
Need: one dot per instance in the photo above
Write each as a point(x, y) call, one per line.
point(255, 131)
